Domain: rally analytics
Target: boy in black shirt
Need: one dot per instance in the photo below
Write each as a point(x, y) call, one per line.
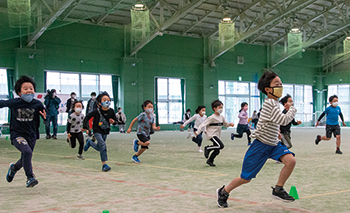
point(103, 117)
point(24, 126)
point(285, 130)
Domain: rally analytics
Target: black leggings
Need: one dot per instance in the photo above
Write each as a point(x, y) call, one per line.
point(73, 139)
point(217, 145)
point(243, 128)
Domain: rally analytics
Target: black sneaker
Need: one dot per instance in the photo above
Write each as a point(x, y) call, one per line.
point(338, 151)
point(93, 138)
point(54, 137)
point(11, 173)
point(31, 182)
point(318, 139)
point(222, 197)
point(210, 163)
point(281, 195)
point(206, 152)
point(48, 136)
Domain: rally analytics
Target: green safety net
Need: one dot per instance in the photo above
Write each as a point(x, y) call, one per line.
point(19, 13)
point(226, 34)
point(140, 25)
point(295, 44)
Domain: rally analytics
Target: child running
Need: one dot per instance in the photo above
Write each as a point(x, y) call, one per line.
point(243, 126)
point(213, 126)
point(121, 119)
point(332, 124)
point(74, 124)
point(146, 121)
point(266, 144)
point(24, 126)
point(103, 117)
point(285, 130)
point(198, 118)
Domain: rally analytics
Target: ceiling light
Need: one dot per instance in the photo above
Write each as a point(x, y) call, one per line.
point(295, 30)
point(139, 7)
point(226, 19)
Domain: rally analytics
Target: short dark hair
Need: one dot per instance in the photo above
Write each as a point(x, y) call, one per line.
point(72, 93)
point(119, 108)
point(75, 102)
point(188, 110)
point(265, 80)
point(285, 99)
point(99, 97)
point(243, 104)
point(332, 97)
point(146, 103)
point(199, 108)
point(93, 93)
point(21, 80)
point(216, 103)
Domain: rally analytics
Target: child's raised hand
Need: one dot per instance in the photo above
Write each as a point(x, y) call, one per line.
point(299, 122)
point(43, 113)
point(317, 123)
point(158, 128)
point(231, 124)
point(111, 121)
point(128, 131)
point(182, 126)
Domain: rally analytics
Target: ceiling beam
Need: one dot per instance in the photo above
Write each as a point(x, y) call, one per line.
point(48, 21)
point(305, 22)
point(256, 29)
point(333, 43)
point(273, 25)
point(197, 22)
point(110, 10)
point(71, 9)
point(176, 17)
point(313, 41)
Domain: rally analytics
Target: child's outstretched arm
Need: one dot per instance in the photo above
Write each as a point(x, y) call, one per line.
point(155, 127)
point(203, 125)
point(342, 118)
point(86, 120)
point(320, 118)
point(132, 124)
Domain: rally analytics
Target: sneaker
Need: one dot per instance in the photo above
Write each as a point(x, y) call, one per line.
point(31, 182)
point(338, 151)
point(200, 150)
point(93, 138)
point(87, 145)
point(135, 145)
point(80, 157)
point(206, 152)
point(282, 195)
point(48, 136)
point(135, 159)
point(54, 137)
point(232, 136)
point(318, 139)
point(222, 196)
point(210, 163)
point(189, 135)
point(106, 168)
point(11, 173)
point(90, 134)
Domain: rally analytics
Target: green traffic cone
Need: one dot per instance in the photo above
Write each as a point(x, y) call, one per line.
point(293, 192)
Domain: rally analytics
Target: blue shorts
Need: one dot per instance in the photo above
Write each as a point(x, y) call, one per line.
point(257, 155)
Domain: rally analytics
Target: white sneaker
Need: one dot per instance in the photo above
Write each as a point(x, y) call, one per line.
point(200, 150)
point(189, 135)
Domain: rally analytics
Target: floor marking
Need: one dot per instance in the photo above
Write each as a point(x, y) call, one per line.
point(324, 194)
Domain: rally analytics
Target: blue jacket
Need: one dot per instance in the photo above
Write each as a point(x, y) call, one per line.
point(52, 105)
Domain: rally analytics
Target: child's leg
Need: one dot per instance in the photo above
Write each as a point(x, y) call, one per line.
point(73, 140)
point(199, 139)
point(235, 183)
point(54, 125)
point(47, 126)
point(26, 149)
point(239, 131)
point(80, 138)
point(248, 135)
point(338, 141)
point(144, 146)
point(217, 145)
point(289, 164)
point(101, 146)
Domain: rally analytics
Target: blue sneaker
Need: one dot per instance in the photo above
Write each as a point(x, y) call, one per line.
point(31, 182)
point(87, 145)
point(106, 168)
point(135, 146)
point(10, 173)
point(232, 136)
point(135, 159)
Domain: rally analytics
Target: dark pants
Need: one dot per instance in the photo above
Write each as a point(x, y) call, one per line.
point(191, 125)
point(52, 119)
point(255, 122)
point(243, 128)
point(26, 147)
point(198, 139)
point(73, 141)
point(217, 145)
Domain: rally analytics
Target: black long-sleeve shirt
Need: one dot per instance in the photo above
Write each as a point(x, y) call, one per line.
point(96, 123)
point(25, 120)
point(286, 128)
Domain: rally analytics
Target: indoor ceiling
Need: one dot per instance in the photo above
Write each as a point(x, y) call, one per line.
point(266, 22)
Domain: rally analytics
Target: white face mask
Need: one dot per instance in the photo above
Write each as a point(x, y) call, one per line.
point(219, 111)
point(203, 113)
point(335, 104)
point(149, 111)
point(78, 110)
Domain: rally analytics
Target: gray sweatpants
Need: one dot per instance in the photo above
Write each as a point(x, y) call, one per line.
point(287, 140)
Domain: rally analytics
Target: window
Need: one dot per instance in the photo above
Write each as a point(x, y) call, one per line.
point(81, 84)
point(343, 93)
point(169, 100)
point(3, 95)
point(303, 101)
point(233, 93)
